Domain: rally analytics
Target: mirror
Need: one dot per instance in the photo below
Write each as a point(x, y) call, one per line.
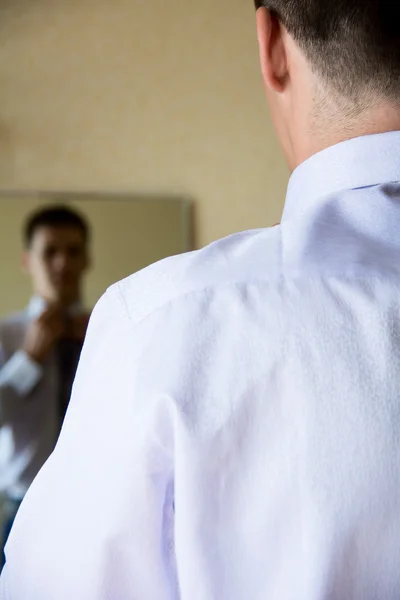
point(128, 233)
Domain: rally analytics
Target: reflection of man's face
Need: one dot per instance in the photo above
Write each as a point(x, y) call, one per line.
point(56, 261)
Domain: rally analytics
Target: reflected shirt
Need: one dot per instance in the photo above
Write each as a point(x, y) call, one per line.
point(29, 412)
point(234, 427)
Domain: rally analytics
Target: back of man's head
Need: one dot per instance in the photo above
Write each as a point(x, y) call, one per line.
point(354, 45)
point(331, 70)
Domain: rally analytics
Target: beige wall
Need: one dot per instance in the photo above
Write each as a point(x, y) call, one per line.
point(140, 95)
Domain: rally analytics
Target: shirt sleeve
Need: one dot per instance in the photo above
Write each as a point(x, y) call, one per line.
point(97, 521)
point(20, 373)
point(4, 592)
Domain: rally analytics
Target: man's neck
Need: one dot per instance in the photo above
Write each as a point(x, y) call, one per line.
point(336, 128)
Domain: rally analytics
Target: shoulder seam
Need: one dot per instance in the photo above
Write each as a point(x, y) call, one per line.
point(120, 296)
point(185, 295)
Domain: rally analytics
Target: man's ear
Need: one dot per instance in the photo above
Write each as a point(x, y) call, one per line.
point(273, 55)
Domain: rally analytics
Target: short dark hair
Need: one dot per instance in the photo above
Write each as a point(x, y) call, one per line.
point(353, 44)
point(55, 216)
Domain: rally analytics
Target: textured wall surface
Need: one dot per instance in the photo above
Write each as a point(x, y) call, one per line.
point(139, 96)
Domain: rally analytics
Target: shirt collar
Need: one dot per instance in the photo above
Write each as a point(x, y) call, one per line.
point(360, 162)
point(37, 306)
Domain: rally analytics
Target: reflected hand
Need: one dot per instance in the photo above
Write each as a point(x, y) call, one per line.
point(43, 334)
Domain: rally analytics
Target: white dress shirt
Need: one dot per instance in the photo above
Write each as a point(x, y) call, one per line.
point(29, 416)
point(234, 429)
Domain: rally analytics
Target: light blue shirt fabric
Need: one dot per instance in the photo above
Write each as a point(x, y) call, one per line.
point(253, 387)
